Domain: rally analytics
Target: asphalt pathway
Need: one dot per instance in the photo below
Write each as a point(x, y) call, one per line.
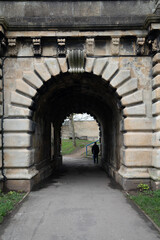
point(82, 203)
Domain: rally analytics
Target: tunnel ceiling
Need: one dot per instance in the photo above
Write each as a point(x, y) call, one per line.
point(73, 93)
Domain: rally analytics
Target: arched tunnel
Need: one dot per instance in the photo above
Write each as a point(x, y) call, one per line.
point(76, 93)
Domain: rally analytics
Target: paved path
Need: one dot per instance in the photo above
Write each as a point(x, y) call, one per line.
point(82, 204)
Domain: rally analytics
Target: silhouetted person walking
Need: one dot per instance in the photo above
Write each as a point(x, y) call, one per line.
point(95, 151)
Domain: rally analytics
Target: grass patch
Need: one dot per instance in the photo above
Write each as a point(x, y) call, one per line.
point(149, 202)
point(8, 201)
point(68, 148)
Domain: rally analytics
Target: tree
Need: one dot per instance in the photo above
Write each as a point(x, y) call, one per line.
point(71, 120)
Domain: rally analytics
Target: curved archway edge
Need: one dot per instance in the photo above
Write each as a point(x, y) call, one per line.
point(136, 153)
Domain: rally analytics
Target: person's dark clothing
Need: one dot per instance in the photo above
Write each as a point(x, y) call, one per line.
point(95, 151)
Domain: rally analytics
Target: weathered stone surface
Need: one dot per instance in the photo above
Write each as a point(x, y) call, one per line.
point(136, 139)
point(99, 65)
point(156, 81)
point(156, 58)
point(18, 157)
point(23, 87)
point(32, 79)
point(133, 172)
point(42, 71)
point(137, 123)
point(21, 173)
point(156, 139)
point(63, 64)
point(156, 69)
point(154, 173)
point(18, 111)
point(17, 140)
point(89, 64)
point(156, 94)
point(53, 66)
point(137, 157)
point(120, 78)
point(19, 99)
point(156, 158)
point(156, 108)
point(110, 70)
point(18, 125)
point(0, 73)
point(156, 123)
point(128, 87)
point(134, 98)
point(139, 110)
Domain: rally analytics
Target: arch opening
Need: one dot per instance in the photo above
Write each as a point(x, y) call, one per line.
point(75, 93)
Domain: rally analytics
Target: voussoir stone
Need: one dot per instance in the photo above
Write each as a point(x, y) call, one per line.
point(42, 71)
point(133, 98)
point(110, 70)
point(89, 64)
point(19, 99)
point(32, 79)
point(99, 65)
point(137, 110)
point(121, 77)
point(127, 87)
point(23, 87)
point(63, 64)
point(53, 66)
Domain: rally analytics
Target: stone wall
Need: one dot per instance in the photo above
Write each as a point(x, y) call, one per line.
point(88, 130)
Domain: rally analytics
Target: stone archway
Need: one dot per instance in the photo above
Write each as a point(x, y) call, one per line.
point(33, 83)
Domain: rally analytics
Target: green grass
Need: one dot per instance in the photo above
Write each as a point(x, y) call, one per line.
point(68, 148)
point(8, 201)
point(149, 202)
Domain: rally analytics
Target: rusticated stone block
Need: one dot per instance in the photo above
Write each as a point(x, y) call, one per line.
point(137, 123)
point(139, 110)
point(53, 66)
point(133, 172)
point(156, 123)
point(137, 157)
point(89, 64)
point(156, 139)
point(156, 108)
point(132, 139)
point(32, 79)
point(99, 65)
point(156, 58)
point(156, 158)
point(154, 173)
point(156, 81)
point(130, 86)
point(21, 140)
point(0, 73)
point(120, 78)
point(18, 125)
point(156, 94)
point(42, 71)
point(110, 70)
point(18, 157)
point(134, 98)
point(18, 111)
